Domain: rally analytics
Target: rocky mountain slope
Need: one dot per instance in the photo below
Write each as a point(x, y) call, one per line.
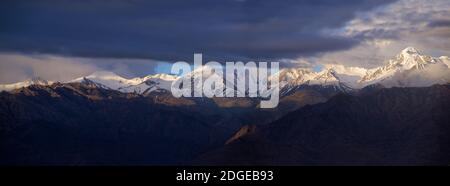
point(396, 126)
point(323, 117)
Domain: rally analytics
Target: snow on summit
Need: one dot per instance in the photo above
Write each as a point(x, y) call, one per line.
point(26, 83)
point(409, 68)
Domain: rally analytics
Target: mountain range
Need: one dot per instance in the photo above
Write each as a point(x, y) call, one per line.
point(409, 68)
point(396, 114)
point(395, 126)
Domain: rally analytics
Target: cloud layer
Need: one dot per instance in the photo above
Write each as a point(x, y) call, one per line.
point(58, 40)
point(385, 31)
point(174, 30)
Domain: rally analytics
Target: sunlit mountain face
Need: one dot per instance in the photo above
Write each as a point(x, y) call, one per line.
point(90, 83)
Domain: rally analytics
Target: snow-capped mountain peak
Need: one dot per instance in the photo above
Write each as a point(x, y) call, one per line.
point(412, 58)
point(166, 77)
point(410, 50)
point(295, 76)
point(409, 68)
point(300, 76)
point(39, 81)
point(26, 83)
point(107, 79)
point(325, 77)
point(111, 80)
point(408, 59)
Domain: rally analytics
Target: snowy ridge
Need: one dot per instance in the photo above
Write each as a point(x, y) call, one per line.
point(110, 80)
point(293, 79)
point(407, 69)
point(26, 83)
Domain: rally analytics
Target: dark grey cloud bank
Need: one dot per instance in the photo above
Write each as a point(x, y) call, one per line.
point(174, 30)
point(439, 23)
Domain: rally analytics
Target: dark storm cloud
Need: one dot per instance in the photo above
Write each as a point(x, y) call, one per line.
point(173, 30)
point(439, 23)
